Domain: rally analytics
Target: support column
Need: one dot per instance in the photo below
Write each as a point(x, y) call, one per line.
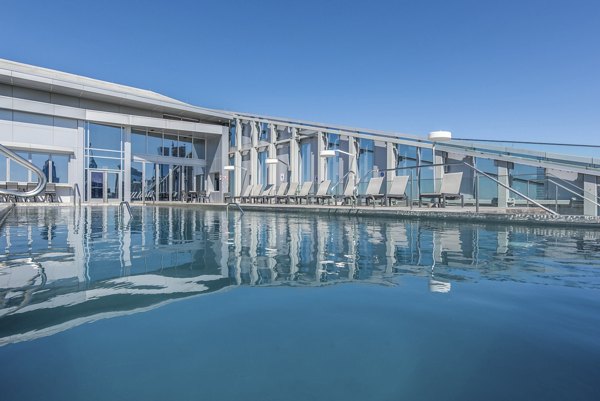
point(127, 164)
point(294, 174)
point(590, 191)
point(503, 193)
point(320, 160)
point(272, 168)
point(253, 173)
point(353, 160)
point(438, 171)
point(390, 163)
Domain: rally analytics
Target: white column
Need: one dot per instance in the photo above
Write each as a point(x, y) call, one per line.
point(390, 163)
point(590, 191)
point(353, 160)
point(503, 193)
point(272, 169)
point(438, 171)
point(254, 154)
point(320, 160)
point(127, 164)
point(294, 174)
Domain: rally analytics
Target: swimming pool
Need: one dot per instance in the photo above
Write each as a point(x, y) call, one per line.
point(188, 303)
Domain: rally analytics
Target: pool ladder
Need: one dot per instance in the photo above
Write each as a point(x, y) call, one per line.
point(125, 205)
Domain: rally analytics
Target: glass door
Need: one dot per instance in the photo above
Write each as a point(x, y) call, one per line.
point(104, 186)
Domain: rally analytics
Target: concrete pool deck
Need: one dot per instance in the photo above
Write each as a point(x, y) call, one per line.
point(513, 215)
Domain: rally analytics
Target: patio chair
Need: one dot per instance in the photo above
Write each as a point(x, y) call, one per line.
point(264, 193)
point(51, 192)
point(348, 194)
point(321, 194)
point(256, 191)
point(291, 192)
point(450, 189)
point(245, 196)
point(303, 193)
point(30, 187)
point(279, 194)
point(397, 189)
point(373, 190)
point(13, 186)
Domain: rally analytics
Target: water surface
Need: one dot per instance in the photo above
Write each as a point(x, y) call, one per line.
point(186, 304)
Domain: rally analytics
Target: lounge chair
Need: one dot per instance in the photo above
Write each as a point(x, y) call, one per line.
point(348, 193)
point(303, 193)
point(51, 192)
point(255, 193)
point(291, 192)
point(245, 194)
point(322, 192)
point(373, 191)
point(279, 194)
point(263, 194)
point(397, 189)
point(450, 189)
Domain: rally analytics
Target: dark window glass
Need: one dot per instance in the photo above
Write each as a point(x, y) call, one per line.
point(104, 137)
point(155, 145)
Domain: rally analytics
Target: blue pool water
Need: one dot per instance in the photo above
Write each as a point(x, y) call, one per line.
point(190, 304)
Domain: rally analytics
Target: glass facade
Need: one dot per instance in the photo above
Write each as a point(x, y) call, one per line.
point(54, 166)
point(262, 168)
point(366, 157)
point(333, 163)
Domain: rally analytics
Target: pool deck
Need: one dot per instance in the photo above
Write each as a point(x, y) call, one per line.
point(513, 215)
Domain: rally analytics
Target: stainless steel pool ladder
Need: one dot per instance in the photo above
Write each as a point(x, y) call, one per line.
point(235, 204)
point(41, 185)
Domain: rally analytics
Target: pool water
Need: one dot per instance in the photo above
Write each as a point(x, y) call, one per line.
point(192, 304)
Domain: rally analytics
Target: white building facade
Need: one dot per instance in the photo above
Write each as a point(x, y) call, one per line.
point(112, 143)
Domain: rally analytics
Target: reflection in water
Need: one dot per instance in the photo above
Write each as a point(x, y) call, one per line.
point(63, 267)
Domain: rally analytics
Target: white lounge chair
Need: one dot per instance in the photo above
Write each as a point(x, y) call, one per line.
point(349, 193)
point(373, 191)
point(245, 196)
point(397, 189)
point(322, 192)
point(290, 194)
point(304, 192)
point(450, 189)
point(279, 193)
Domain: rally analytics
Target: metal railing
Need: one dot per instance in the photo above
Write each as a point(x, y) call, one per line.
point(76, 194)
point(41, 185)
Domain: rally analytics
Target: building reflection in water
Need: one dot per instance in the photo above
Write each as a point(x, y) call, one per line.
point(65, 266)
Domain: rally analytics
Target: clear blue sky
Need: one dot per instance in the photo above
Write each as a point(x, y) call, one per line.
point(522, 70)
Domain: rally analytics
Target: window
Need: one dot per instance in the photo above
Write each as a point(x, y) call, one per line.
point(138, 142)
point(154, 143)
point(18, 172)
point(263, 135)
point(170, 145)
point(104, 137)
point(217, 182)
point(232, 135)
point(262, 167)
point(3, 161)
point(199, 149)
point(185, 146)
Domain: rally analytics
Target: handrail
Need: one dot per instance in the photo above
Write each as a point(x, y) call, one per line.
point(341, 180)
point(76, 193)
point(595, 196)
point(236, 204)
point(127, 207)
point(42, 180)
point(573, 192)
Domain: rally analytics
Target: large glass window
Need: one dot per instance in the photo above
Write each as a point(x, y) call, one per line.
point(138, 142)
point(232, 135)
point(199, 148)
point(3, 160)
point(60, 168)
point(136, 181)
point(18, 172)
point(150, 181)
point(263, 135)
point(104, 137)
point(104, 163)
point(185, 146)
point(365, 163)
point(262, 167)
point(426, 182)
point(170, 145)
point(155, 146)
point(42, 161)
point(306, 162)
point(333, 163)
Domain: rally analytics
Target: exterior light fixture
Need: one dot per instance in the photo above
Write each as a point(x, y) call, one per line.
point(229, 168)
point(271, 161)
point(440, 136)
point(328, 153)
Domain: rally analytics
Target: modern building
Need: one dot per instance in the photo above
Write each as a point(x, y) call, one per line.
point(112, 142)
